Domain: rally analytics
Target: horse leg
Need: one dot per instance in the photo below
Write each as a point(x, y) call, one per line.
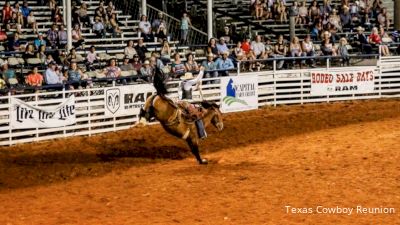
point(195, 150)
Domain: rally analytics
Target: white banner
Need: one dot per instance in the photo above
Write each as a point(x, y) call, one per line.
point(24, 115)
point(127, 100)
point(239, 93)
point(350, 82)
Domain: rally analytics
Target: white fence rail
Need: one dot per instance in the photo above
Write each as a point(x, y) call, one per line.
point(274, 88)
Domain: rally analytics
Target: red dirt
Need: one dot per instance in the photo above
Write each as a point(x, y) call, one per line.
point(341, 154)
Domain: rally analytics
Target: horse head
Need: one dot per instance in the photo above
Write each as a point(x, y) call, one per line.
point(216, 119)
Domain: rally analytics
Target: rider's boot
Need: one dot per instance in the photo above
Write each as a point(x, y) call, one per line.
point(200, 129)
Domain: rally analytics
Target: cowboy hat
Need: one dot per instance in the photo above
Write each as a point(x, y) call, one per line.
point(210, 55)
point(360, 28)
point(146, 62)
point(187, 76)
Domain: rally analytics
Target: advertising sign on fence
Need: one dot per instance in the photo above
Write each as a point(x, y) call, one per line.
point(24, 115)
point(239, 93)
point(348, 82)
point(126, 100)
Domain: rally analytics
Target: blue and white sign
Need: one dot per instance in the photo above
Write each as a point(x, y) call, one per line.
point(239, 93)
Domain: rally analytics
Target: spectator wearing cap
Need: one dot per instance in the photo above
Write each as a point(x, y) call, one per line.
point(360, 41)
point(221, 46)
point(126, 65)
point(130, 50)
point(52, 74)
point(210, 67)
point(224, 64)
point(147, 71)
point(52, 36)
point(34, 78)
point(39, 41)
point(145, 29)
point(136, 63)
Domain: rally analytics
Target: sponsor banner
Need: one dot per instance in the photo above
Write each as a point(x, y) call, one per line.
point(24, 115)
point(127, 100)
point(239, 93)
point(348, 82)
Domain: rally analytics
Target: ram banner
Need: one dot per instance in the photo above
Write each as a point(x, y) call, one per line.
point(126, 100)
point(24, 115)
point(348, 82)
point(239, 93)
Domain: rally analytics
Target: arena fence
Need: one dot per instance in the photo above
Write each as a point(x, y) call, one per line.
point(100, 110)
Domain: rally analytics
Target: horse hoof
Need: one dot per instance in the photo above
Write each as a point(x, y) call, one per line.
point(204, 161)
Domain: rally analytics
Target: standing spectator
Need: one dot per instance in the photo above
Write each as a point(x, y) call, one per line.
point(141, 49)
point(191, 65)
point(52, 36)
point(210, 67)
point(184, 27)
point(98, 28)
point(145, 29)
point(130, 50)
point(343, 52)
point(52, 74)
point(39, 41)
point(178, 68)
point(221, 46)
point(77, 39)
point(62, 37)
point(112, 70)
point(34, 78)
point(7, 12)
point(225, 64)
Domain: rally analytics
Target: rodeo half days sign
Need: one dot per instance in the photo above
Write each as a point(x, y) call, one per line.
point(127, 100)
point(239, 93)
point(348, 82)
point(24, 115)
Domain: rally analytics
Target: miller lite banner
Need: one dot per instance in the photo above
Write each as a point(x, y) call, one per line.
point(127, 100)
point(24, 115)
point(347, 82)
point(239, 93)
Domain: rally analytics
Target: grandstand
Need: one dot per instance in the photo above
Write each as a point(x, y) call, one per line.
point(237, 17)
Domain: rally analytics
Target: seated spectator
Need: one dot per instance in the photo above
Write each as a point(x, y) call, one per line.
point(227, 35)
point(165, 53)
point(295, 48)
point(328, 48)
point(345, 18)
point(136, 63)
point(56, 15)
point(334, 19)
point(210, 66)
point(314, 12)
point(145, 29)
point(130, 50)
point(25, 10)
point(49, 60)
point(3, 35)
point(259, 11)
point(225, 64)
point(158, 21)
point(303, 14)
point(308, 50)
point(258, 48)
point(246, 46)
point(7, 12)
point(147, 71)
point(83, 15)
point(221, 46)
point(238, 52)
point(91, 58)
point(70, 57)
point(34, 78)
point(62, 37)
point(52, 4)
point(343, 52)
point(161, 33)
point(191, 64)
point(13, 23)
point(294, 9)
point(52, 36)
point(360, 41)
point(14, 43)
point(126, 65)
point(41, 53)
point(114, 24)
point(280, 51)
point(77, 39)
point(31, 21)
point(39, 41)
point(9, 75)
point(155, 61)
point(112, 70)
point(29, 52)
point(269, 48)
point(282, 14)
point(316, 30)
point(98, 28)
point(325, 9)
point(74, 76)
point(383, 18)
point(53, 75)
point(375, 40)
point(212, 47)
point(141, 49)
point(178, 68)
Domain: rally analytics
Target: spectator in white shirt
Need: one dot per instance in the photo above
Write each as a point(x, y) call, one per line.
point(145, 29)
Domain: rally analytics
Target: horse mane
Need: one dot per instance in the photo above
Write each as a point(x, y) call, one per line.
point(159, 82)
point(207, 105)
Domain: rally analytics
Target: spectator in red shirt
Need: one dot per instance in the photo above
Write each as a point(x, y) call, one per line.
point(246, 45)
point(7, 12)
point(34, 79)
point(375, 40)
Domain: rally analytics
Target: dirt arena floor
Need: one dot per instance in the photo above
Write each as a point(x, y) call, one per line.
point(329, 155)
